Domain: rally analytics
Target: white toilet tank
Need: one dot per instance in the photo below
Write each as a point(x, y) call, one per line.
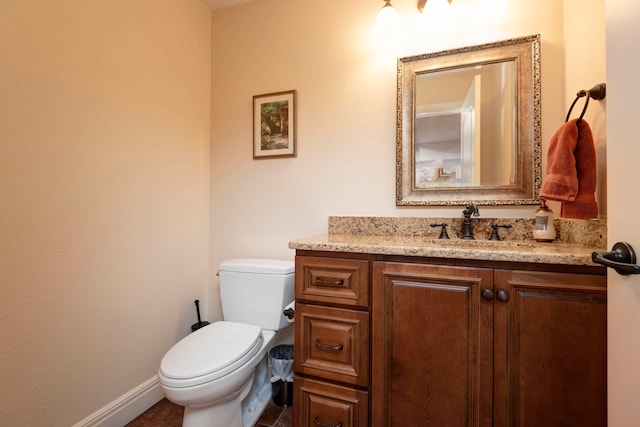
point(256, 291)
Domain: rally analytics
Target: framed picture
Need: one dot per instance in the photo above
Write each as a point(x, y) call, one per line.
point(274, 125)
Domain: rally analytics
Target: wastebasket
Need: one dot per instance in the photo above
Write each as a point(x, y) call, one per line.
point(281, 357)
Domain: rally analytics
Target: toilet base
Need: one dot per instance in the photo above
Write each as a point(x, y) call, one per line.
point(222, 414)
point(244, 410)
point(258, 398)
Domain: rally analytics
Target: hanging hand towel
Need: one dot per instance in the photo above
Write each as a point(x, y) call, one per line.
point(571, 171)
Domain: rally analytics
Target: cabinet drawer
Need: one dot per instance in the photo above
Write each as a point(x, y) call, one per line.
point(317, 403)
point(333, 281)
point(332, 343)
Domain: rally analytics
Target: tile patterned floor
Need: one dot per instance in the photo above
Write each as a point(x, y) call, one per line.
point(168, 414)
point(162, 414)
point(275, 416)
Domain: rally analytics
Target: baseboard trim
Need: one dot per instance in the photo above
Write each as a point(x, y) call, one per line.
point(126, 407)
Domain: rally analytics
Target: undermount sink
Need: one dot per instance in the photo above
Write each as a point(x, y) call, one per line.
point(489, 244)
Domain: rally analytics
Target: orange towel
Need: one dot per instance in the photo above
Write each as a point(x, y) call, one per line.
point(571, 171)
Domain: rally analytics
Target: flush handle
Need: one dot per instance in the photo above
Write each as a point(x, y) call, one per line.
point(622, 259)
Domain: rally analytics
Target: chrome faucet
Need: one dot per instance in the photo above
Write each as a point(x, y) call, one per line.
point(467, 229)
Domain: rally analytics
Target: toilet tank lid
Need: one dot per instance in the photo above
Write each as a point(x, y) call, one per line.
point(257, 265)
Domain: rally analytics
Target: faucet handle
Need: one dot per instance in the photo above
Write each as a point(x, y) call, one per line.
point(443, 231)
point(494, 230)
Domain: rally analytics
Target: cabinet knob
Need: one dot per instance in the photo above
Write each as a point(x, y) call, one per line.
point(503, 296)
point(487, 294)
point(321, 424)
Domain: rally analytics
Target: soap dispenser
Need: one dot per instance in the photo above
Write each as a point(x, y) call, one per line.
point(544, 231)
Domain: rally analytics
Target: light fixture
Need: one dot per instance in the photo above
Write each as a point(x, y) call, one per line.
point(388, 15)
point(387, 29)
point(387, 10)
point(432, 3)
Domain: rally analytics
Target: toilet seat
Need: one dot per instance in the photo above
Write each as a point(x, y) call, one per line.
point(210, 353)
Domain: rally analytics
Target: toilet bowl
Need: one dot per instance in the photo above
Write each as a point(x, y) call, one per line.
point(219, 372)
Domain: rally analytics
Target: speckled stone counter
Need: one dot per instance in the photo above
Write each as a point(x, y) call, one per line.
point(414, 237)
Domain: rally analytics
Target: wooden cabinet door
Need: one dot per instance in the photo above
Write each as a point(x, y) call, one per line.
point(332, 343)
point(326, 280)
point(322, 404)
point(550, 350)
point(432, 356)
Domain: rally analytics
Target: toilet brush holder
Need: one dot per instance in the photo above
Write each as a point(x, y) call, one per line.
point(200, 323)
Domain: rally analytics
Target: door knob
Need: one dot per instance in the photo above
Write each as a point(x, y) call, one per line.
point(622, 259)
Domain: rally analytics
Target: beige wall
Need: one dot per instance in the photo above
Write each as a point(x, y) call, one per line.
point(104, 197)
point(346, 107)
point(585, 66)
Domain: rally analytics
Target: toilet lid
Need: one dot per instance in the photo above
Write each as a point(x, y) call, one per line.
point(218, 348)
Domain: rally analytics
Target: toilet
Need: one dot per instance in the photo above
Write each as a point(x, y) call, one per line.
point(219, 372)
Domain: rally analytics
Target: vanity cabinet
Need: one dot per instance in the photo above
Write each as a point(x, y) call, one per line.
point(385, 340)
point(432, 346)
point(465, 346)
point(550, 361)
point(332, 342)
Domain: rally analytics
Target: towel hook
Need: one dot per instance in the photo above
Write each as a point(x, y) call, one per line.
point(597, 92)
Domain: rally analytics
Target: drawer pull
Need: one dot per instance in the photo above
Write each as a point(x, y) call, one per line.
point(336, 282)
point(321, 424)
point(329, 347)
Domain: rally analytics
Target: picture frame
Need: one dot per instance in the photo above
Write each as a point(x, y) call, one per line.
point(274, 125)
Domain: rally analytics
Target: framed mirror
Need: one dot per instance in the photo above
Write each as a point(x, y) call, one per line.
point(468, 125)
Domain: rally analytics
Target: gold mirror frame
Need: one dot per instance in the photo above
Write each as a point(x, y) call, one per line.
point(525, 52)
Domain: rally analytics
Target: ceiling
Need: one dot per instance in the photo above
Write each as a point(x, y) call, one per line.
point(220, 4)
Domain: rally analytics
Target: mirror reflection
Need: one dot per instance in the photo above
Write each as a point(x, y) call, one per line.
point(468, 125)
point(456, 110)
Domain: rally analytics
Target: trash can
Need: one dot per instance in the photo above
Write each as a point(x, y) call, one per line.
point(281, 357)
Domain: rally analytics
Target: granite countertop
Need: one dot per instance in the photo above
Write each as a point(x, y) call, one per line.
point(355, 235)
point(524, 251)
